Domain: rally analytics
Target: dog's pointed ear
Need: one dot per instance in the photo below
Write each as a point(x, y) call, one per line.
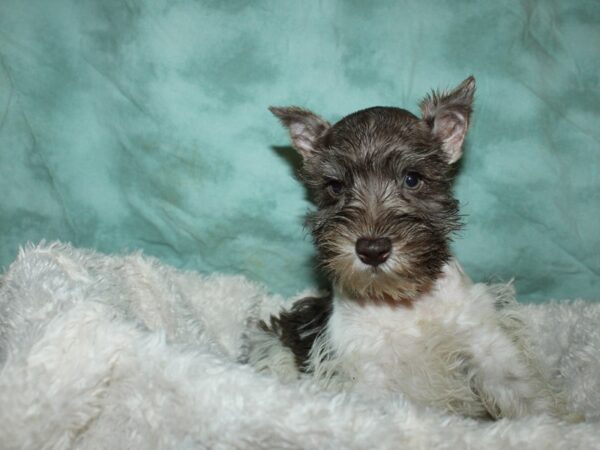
point(448, 115)
point(304, 126)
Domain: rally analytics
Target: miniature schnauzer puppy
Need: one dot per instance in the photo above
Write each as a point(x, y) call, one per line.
point(402, 317)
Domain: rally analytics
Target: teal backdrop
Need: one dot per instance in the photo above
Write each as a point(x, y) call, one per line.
point(143, 125)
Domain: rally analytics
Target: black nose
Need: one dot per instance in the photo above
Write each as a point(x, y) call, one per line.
point(373, 251)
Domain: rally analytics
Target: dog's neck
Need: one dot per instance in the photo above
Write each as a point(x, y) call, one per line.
point(452, 278)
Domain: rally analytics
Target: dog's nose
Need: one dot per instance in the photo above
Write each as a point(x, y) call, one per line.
point(373, 251)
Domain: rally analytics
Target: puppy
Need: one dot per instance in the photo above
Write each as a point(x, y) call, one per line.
point(403, 317)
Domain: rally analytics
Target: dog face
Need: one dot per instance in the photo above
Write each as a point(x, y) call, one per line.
point(382, 181)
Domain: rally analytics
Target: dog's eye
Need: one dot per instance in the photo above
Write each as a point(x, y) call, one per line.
point(335, 187)
point(412, 180)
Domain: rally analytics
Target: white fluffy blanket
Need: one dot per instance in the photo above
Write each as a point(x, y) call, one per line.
point(123, 352)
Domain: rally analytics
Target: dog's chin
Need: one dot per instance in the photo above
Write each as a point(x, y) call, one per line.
point(386, 282)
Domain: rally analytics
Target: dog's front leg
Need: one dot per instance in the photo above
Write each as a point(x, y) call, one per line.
point(509, 380)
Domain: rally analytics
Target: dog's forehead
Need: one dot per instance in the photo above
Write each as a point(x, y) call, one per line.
point(377, 129)
point(376, 134)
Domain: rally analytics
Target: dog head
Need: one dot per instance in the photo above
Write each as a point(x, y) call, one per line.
point(382, 181)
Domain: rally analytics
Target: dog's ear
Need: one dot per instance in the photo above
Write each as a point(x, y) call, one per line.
point(448, 115)
point(304, 127)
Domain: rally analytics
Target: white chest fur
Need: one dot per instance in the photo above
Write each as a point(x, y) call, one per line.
point(451, 348)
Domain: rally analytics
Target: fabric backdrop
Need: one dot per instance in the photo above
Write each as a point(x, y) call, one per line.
point(143, 125)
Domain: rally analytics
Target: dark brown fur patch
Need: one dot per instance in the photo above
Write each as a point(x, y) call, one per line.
point(299, 327)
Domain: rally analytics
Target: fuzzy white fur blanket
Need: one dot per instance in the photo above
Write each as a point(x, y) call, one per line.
point(118, 352)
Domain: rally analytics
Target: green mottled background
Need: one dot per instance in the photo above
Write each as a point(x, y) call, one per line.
point(144, 125)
